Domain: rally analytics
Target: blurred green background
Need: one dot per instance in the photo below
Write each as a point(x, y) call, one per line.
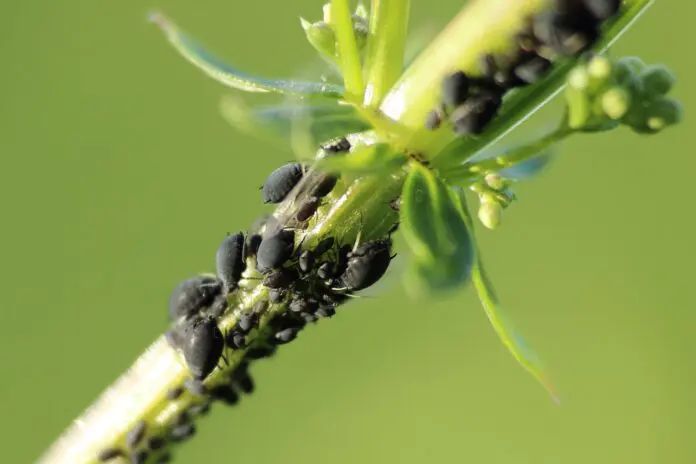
point(118, 179)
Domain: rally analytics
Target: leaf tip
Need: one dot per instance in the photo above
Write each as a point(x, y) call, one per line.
point(305, 24)
point(159, 19)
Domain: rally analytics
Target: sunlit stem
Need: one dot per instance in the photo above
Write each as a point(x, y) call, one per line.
point(385, 47)
point(483, 26)
point(521, 154)
point(347, 50)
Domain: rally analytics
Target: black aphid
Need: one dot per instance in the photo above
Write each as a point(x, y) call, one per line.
point(325, 270)
point(473, 116)
point(139, 457)
point(202, 346)
point(455, 89)
point(531, 69)
point(337, 146)
point(136, 434)
point(299, 304)
point(496, 78)
point(226, 394)
point(325, 311)
point(566, 33)
point(281, 181)
point(395, 204)
point(182, 432)
point(285, 335)
point(259, 307)
point(307, 208)
point(260, 352)
point(193, 295)
point(367, 264)
point(246, 322)
point(276, 295)
point(218, 307)
point(164, 458)
point(229, 261)
point(235, 340)
point(306, 261)
point(324, 245)
point(342, 261)
point(434, 118)
point(275, 250)
point(195, 387)
point(309, 318)
point(108, 454)
point(199, 409)
point(602, 9)
point(325, 186)
point(243, 380)
point(281, 278)
point(174, 393)
point(251, 247)
point(155, 443)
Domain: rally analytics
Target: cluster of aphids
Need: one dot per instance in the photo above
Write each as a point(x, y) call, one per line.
point(304, 283)
point(570, 28)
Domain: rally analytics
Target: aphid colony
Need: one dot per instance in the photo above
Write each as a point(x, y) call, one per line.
point(568, 29)
point(309, 283)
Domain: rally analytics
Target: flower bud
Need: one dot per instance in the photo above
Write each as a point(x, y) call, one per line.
point(662, 113)
point(657, 81)
point(321, 36)
point(490, 213)
point(579, 107)
point(494, 181)
point(599, 72)
point(615, 102)
point(627, 67)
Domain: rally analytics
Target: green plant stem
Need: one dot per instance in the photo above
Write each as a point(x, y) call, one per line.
point(483, 26)
point(468, 172)
point(140, 394)
point(385, 47)
point(347, 50)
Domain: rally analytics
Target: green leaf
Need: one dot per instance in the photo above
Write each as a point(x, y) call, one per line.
point(436, 232)
point(322, 121)
point(234, 78)
point(507, 333)
point(370, 159)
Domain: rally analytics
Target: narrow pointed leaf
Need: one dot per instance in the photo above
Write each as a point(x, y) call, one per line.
point(233, 77)
point(507, 333)
point(322, 121)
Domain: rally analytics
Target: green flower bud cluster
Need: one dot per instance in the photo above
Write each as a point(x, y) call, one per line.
point(322, 37)
point(601, 94)
point(495, 195)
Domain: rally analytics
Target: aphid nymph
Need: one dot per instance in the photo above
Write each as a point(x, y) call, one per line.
point(229, 261)
point(281, 181)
